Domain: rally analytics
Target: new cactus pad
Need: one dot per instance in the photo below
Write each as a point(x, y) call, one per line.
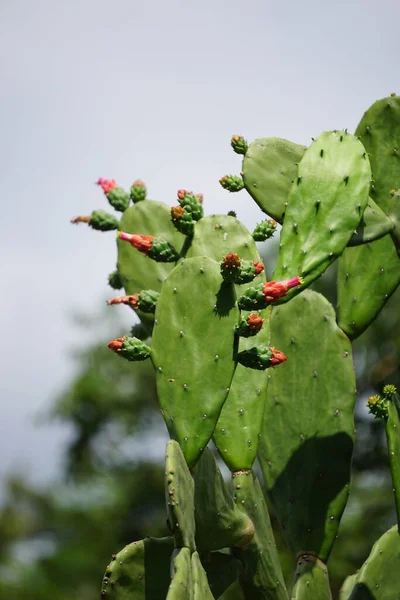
point(261, 368)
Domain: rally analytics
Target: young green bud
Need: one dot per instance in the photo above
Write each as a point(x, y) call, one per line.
point(130, 348)
point(239, 144)
point(232, 183)
point(114, 280)
point(264, 230)
point(138, 191)
point(156, 248)
point(99, 220)
point(261, 358)
point(183, 220)
point(378, 406)
point(250, 326)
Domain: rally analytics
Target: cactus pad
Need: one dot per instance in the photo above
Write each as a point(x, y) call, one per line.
point(269, 169)
point(193, 351)
point(326, 204)
point(311, 580)
point(140, 570)
point(179, 494)
point(306, 444)
point(262, 577)
point(181, 584)
point(378, 578)
point(219, 523)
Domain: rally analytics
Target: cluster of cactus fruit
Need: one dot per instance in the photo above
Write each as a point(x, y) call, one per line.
point(263, 369)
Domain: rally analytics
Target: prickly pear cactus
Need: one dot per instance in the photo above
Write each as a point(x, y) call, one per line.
point(261, 367)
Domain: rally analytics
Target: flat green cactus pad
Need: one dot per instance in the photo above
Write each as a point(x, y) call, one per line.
point(179, 494)
point(371, 274)
point(194, 351)
point(240, 421)
point(141, 571)
point(219, 523)
point(311, 580)
point(347, 587)
point(374, 224)
point(307, 440)
point(262, 577)
point(378, 578)
point(325, 206)
point(181, 587)
point(137, 271)
point(201, 589)
point(393, 440)
point(269, 169)
point(367, 276)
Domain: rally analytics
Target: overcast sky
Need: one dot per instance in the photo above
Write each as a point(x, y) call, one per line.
point(151, 90)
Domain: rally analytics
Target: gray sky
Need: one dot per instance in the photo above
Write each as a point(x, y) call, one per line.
point(151, 90)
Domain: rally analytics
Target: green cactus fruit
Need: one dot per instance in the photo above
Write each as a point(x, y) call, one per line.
point(378, 578)
point(232, 183)
point(130, 348)
point(311, 581)
point(141, 571)
point(325, 206)
point(138, 191)
point(179, 494)
point(222, 570)
point(262, 576)
point(378, 407)
point(269, 169)
point(264, 230)
point(393, 440)
point(181, 587)
point(145, 301)
point(374, 225)
point(261, 357)
point(103, 221)
point(119, 199)
point(157, 248)
point(193, 351)
point(239, 271)
point(239, 144)
point(347, 587)
point(201, 589)
point(192, 203)
point(100, 220)
point(116, 196)
point(219, 523)
point(307, 440)
point(367, 277)
point(255, 298)
point(114, 280)
point(182, 220)
point(250, 326)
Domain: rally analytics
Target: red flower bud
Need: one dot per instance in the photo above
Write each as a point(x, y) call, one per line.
point(129, 300)
point(277, 357)
point(116, 344)
point(277, 289)
point(143, 243)
point(255, 322)
point(177, 212)
point(139, 183)
point(200, 197)
point(107, 184)
point(182, 194)
point(259, 267)
point(231, 261)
